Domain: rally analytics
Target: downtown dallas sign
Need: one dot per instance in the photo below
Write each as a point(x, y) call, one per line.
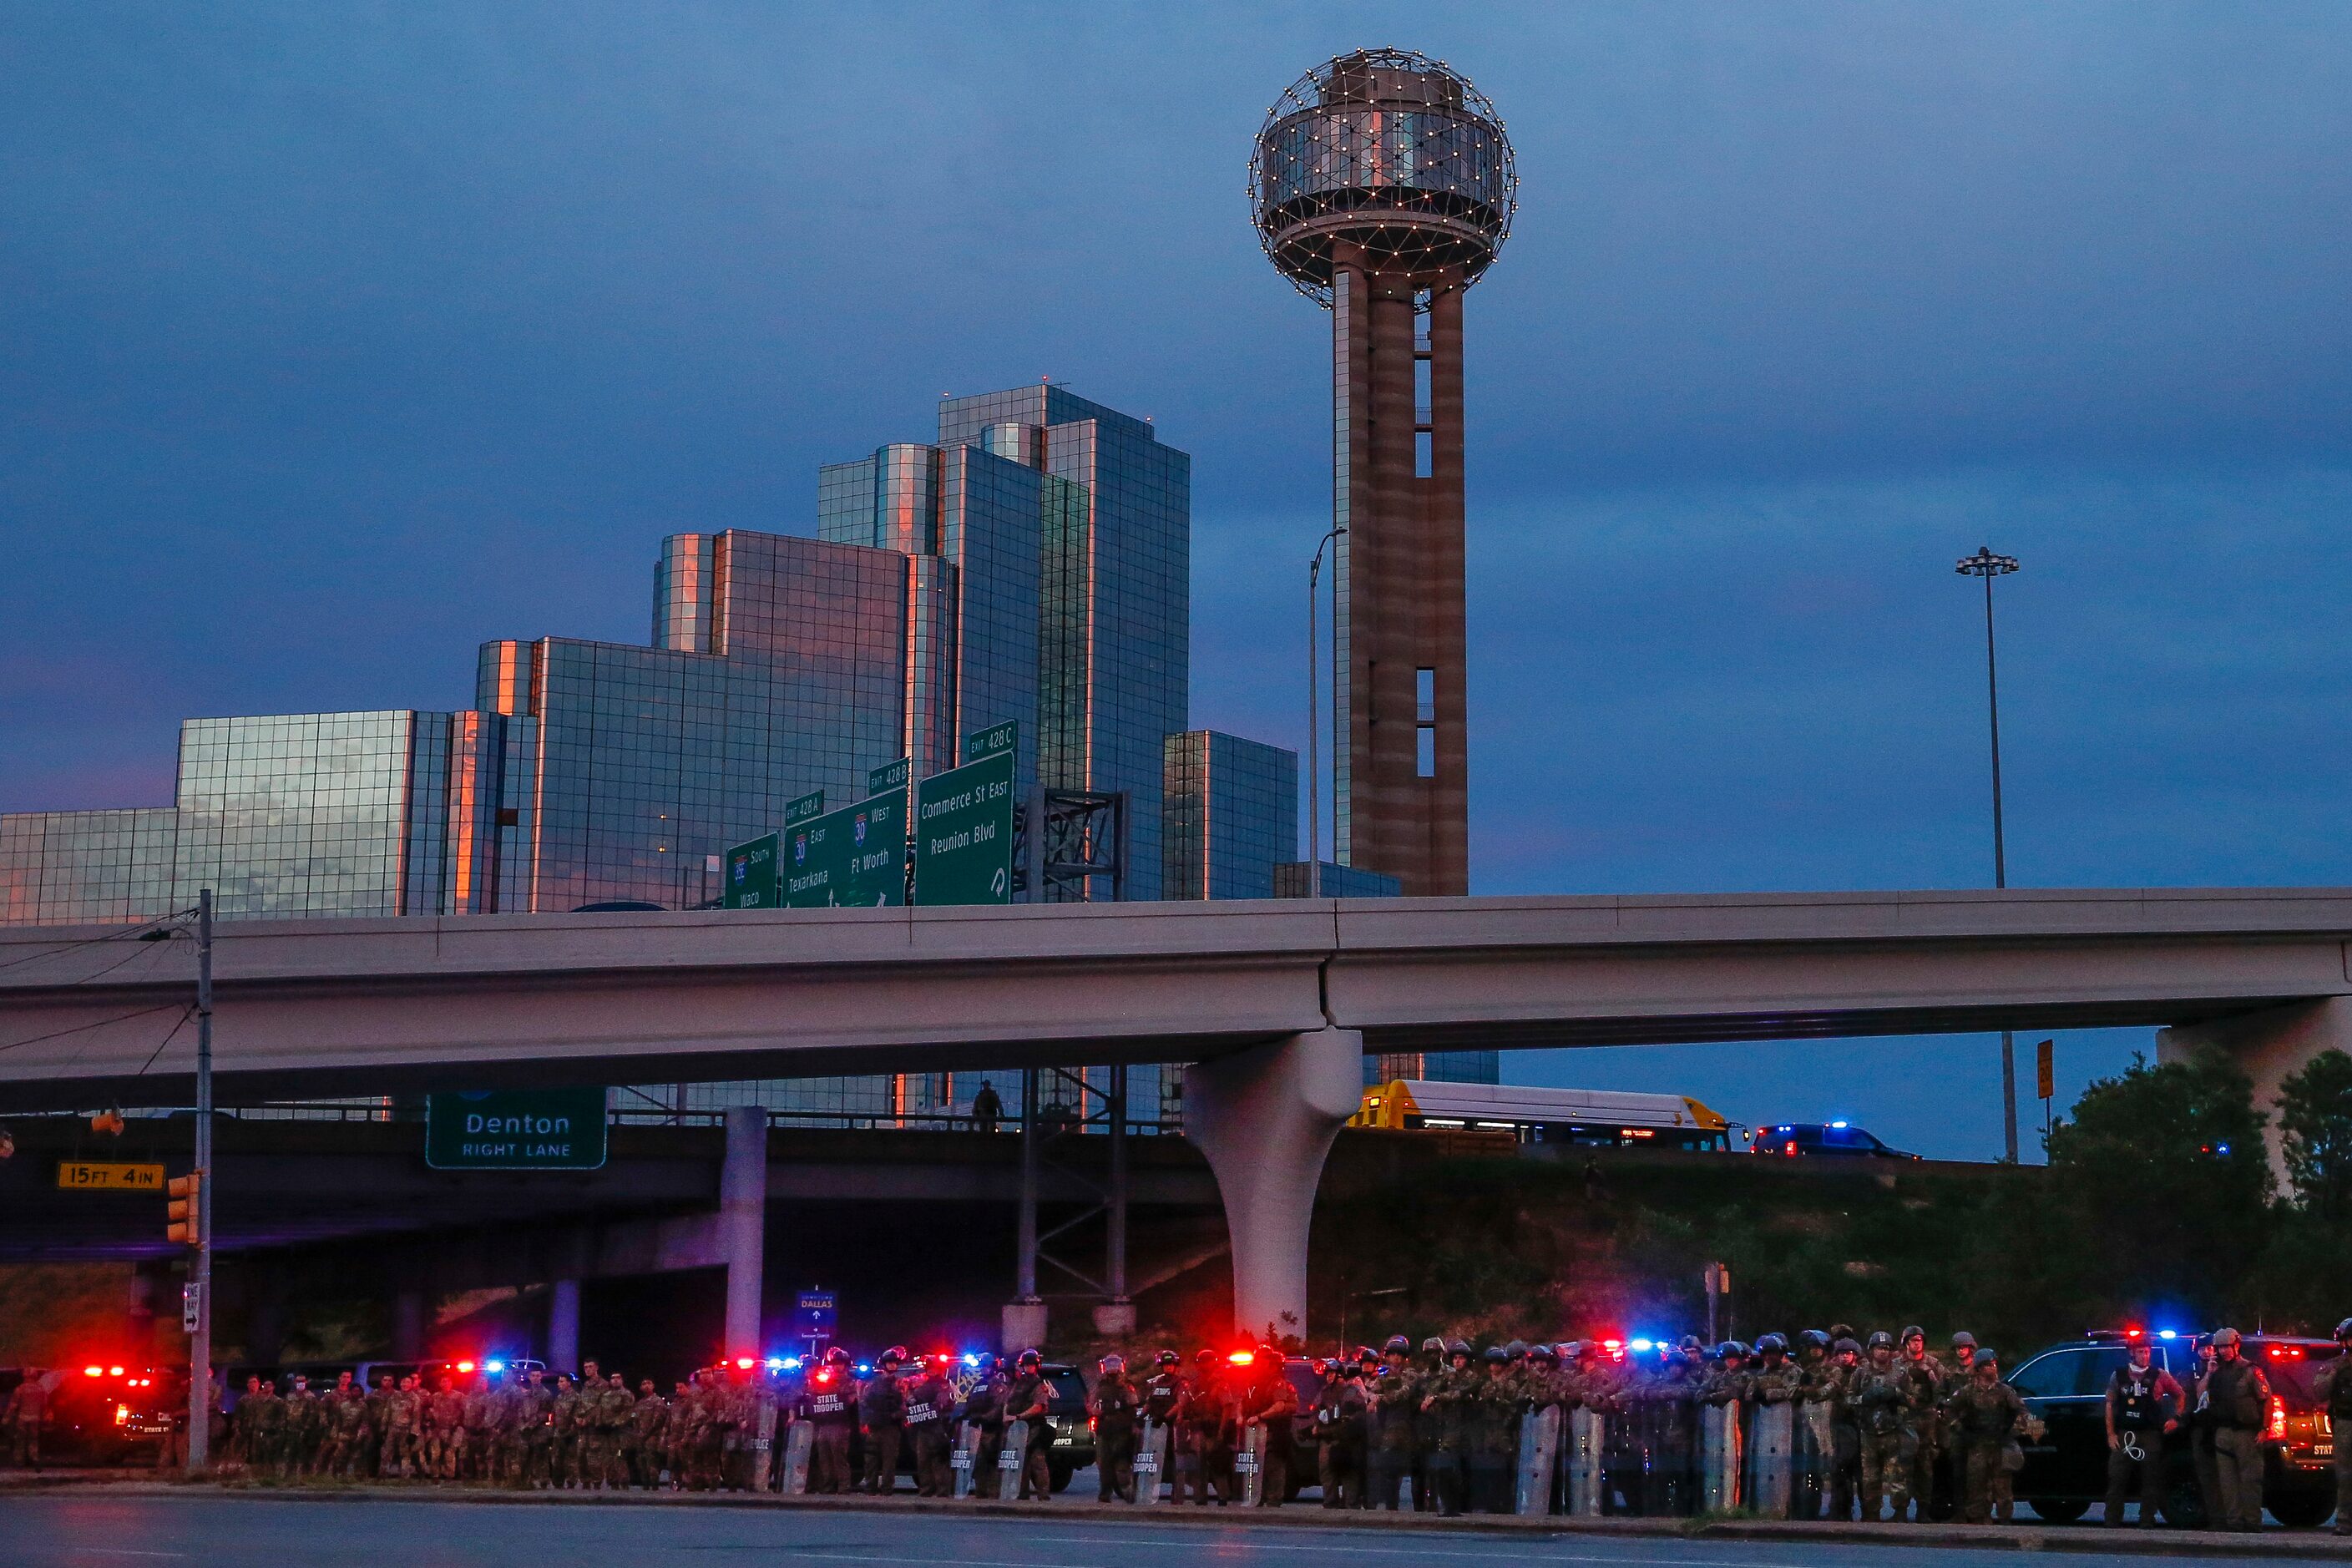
point(857, 857)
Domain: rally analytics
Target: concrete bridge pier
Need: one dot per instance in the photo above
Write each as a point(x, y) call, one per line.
point(2268, 1047)
point(742, 1225)
point(1265, 1118)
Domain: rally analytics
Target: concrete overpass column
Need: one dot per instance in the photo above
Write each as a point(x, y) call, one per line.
point(2268, 1047)
point(408, 1325)
point(743, 1224)
point(563, 1326)
point(1265, 1118)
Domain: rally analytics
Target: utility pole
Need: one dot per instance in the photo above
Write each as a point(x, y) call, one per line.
point(200, 1342)
point(1984, 564)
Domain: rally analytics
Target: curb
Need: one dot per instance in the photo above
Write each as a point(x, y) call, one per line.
point(2299, 1545)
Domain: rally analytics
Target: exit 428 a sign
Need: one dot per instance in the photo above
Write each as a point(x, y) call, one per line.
point(515, 1130)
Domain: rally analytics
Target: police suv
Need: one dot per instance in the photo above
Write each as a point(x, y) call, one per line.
point(2066, 1385)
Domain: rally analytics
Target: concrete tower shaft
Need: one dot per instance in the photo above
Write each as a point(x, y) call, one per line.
point(1384, 186)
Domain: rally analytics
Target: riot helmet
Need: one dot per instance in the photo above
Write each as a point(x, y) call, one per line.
point(1397, 1345)
point(895, 1356)
point(1813, 1340)
point(1880, 1339)
point(1964, 1341)
point(1113, 1363)
point(837, 1355)
point(1031, 1358)
point(1772, 1344)
point(2343, 1332)
point(1169, 1358)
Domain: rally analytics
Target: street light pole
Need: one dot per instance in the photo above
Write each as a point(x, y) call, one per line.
point(200, 1342)
point(1984, 564)
point(1314, 723)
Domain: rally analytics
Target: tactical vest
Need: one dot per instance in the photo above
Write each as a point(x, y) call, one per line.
point(2339, 1398)
point(2236, 1402)
point(2138, 1409)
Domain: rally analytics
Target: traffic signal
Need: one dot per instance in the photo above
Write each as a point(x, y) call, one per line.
point(186, 1209)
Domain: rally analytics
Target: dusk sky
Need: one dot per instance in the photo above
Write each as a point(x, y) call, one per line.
point(339, 340)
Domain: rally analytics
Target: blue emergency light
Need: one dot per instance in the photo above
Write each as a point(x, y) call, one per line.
point(494, 1366)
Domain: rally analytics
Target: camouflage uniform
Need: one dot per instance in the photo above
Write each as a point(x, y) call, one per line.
point(1395, 1401)
point(648, 1421)
point(1986, 1416)
point(346, 1423)
point(1927, 1388)
point(1881, 1398)
point(563, 1434)
point(404, 1426)
point(306, 1420)
point(445, 1431)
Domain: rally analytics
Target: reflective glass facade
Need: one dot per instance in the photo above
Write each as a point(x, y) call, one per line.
point(1232, 815)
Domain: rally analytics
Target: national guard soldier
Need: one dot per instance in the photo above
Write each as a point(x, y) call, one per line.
point(2332, 1389)
point(1208, 1450)
point(2143, 1408)
point(305, 1426)
point(534, 1426)
point(1817, 1441)
point(2237, 1401)
point(931, 1402)
point(1030, 1402)
point(342, 1409)
point(1445, 1410)
point(1340, 1412)
point(642, 1441)
point(1987, 1416)
point(1881, 1397)
point(1775, 1386)
point(262, 1414)
point(1113, 1405)
point(1927, 1387)
point(621, 1444)
point(1673, 1404)
point(1845, 1429)
point(833, 1411)
point(1952, 1464)
point(882, 1417)
point(444, 1420)
point(372, 1424)
point(1394, 1398)
point(1491, 1420)
point(563, 1427)
point(983, 1412)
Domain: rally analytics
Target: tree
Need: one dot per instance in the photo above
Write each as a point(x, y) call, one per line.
point(2166, 1187)
point(2316, 1131)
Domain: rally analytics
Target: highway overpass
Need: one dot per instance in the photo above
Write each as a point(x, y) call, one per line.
point(1275, 1000)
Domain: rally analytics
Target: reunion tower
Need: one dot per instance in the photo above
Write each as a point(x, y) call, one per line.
point(1382, 186)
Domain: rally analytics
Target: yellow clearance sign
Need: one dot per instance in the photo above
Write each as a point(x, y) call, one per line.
point(92, 1177)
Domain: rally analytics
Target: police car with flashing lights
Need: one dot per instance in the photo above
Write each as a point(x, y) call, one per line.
point(2066, 1386)
point(1822, 1140)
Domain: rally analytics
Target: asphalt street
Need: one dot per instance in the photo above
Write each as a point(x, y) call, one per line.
point(87, 1531)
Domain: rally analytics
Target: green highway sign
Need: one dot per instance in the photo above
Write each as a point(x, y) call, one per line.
point(1004, 737)
point(808, 805)
point(752, 875)
point(889, 776)
point(515, 1130)
point(854, 857)
point(963, 833)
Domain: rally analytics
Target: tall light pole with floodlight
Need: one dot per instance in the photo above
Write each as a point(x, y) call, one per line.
point(1984, 564)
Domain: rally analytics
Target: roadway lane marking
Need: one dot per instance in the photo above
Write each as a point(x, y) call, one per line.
point(124, 1551)
point(1271, 1545)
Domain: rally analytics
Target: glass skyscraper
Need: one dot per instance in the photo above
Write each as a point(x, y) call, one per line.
point(1232, 815)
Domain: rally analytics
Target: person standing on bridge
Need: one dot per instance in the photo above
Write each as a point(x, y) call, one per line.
point(987, 1109)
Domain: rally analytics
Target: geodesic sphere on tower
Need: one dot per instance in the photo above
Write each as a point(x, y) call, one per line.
point(1390, 151)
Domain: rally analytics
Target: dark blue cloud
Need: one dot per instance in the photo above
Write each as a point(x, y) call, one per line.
point(338, 341)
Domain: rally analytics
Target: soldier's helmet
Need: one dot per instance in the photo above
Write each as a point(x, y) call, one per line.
point(1814, 1339)
point(1845, 1345)
point(1731, 1349)
point(2343, 1332)
point(1433, 1345)
point(2225, 1336)
point(1168, 1358)
point(1879, 1338)
point(1964, 1341)
point(895, 1356)
point(1497, 1356)
point(1515, 1349)
point(1986, 1356)
point(1772, 1344)
point(1366, 1356)
point(1541, 1352)
point(1031, 1358)
point(1690, 1343)
point(836, 1356)
point(1912, 1331)
point(1204, 1357)
point(1458, 1347)
point(1569, 1349)
point(1398, 1345)
point(1114, 1363)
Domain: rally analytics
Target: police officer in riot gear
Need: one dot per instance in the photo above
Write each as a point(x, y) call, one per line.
point(2332, 1389)
point(2237, 1404)
point(832, 1410)
point(1114, 1405)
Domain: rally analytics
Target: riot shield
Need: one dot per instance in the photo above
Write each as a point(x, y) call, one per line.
point(1772, 1455)
point(800, 1437)
point(763, 1445)
point(1249, 1463)
point(1718, 1461)
point(1538, 1460)
point(1150, 1459)
point(960, 1457)
point(1012, 1460)
point(1817, 1456)
point(1584, 1435)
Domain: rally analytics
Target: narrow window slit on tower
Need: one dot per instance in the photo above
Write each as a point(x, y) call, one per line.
point(1425, 718)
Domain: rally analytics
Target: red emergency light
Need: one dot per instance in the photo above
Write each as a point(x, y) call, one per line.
point(93, 1372)
point(743, 1364)
point(114, 1372)
point(1243, 1358)
point(824, 1377)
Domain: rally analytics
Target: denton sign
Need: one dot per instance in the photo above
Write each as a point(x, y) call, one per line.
point(516, 1129)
